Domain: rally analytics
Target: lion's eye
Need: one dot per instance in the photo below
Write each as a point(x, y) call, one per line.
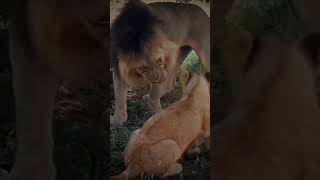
point(142, 69)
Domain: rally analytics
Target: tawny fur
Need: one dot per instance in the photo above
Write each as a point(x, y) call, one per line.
point(272, 136)
point(159, 47)
point(74, 48)
point(273, 129)
point(51, 41)
point(155, 149)
point(171, 36)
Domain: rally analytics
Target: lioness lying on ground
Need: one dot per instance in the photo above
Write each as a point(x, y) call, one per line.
point(155, 149)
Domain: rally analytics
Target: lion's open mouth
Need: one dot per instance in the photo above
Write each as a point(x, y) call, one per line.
point(159, 78)
point(156, 81)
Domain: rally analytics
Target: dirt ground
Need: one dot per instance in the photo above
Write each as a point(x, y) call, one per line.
point(138, 113)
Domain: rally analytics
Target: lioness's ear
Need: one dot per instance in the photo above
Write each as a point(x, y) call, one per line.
point(189, 77)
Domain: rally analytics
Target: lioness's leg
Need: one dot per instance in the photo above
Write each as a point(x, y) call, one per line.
point(173, 170)
point(120, 93)
point(131, 140)
point(34, 90)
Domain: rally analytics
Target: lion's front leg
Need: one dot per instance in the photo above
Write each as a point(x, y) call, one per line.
point(155, 95)
point(34, 90)
point(120, 93)
point(159, 90)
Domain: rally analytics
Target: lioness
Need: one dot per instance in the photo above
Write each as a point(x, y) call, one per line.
point(149, 42)
point(155, 149)
point(50, 41)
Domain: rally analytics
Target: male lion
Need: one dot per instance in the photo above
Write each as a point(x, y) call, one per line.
point(50, 41)
point(155, 149)
point(149, 42)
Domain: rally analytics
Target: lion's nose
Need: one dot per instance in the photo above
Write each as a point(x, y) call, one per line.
point(156, 81)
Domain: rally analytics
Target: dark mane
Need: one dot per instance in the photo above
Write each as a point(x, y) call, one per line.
point(133, 27)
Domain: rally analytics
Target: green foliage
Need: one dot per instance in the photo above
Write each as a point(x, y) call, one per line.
point(193, 64)
point(263, 18)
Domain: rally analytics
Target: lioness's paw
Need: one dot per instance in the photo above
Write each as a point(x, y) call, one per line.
point(174, 169)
